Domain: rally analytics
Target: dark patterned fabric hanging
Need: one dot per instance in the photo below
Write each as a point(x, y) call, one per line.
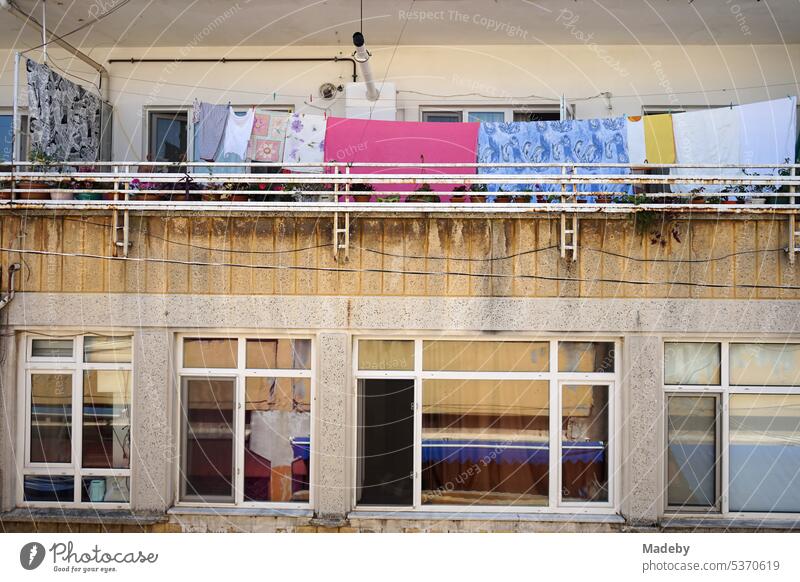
point(64, 117)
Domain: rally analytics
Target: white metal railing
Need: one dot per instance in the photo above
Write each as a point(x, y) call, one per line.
point(194, 185)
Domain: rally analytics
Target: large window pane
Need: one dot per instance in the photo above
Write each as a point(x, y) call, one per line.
point(51, 348)
point(210, 352)
point(277, 441)
point(385, 355)
point(486, 116)
point(584, 443)
point(106, 419)
point(765, 452)
point(585, 357)
point(279, 354)
point(386, 442)
point(485, 442)
point(765, 364)
point(107, 350)
point(6, 135)
point(208, 439)
point(51, 418)
point(692, 363)
point(105, 490)
point(692, 451)
point(168, 136)
point(486, 356)
point(46, 488)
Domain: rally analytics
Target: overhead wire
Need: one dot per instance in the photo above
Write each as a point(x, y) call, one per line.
point(445, 258)
point(368, 270)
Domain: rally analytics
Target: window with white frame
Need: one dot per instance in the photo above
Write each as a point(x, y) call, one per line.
point(490, 114)
point(733, 426)
point(245, 420)
point(495, 423)
point(77, 420)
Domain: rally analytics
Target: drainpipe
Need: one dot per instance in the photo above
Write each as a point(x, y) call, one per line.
point(12, 270)
point(12, 7)
point(362, 58)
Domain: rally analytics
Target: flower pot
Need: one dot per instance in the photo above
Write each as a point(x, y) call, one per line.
point(88, 195)
point(730, 202)
point(240, 198)
point(458, 199)
point(502, 199)
point(5, 195)
point(40, 190)
point(698, 200)
point(522, 199)
point(362, 197)
point(756, 200)
point(61, 195)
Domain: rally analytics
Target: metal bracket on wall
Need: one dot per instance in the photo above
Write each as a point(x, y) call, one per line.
point(794, 235)
point(121, 229)
point(569, 236)
point(341, 234)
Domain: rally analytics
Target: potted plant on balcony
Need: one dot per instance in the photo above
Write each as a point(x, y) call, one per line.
point(478, 192)
point(420, 194)
point(367, 188)
point(144, 190)
point(37, 190)
point(459, 195)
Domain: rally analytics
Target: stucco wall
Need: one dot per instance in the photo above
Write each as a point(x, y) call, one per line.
point(708, 257)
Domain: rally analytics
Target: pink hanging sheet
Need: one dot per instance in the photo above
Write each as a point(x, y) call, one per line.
point(364, 140)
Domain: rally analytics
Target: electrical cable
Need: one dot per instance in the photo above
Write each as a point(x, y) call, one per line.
point(442, 258)
point(226, 264)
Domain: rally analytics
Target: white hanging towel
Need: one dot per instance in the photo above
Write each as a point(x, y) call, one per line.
point(709, 136)
point(768, 134)
point(637, 153)
point(237, 133)
point(305, 141)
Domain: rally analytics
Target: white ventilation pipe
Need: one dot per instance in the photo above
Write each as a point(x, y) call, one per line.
point(362, 58)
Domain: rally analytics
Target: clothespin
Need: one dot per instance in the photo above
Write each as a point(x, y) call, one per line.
point(273, 95)
point(731, 104)
point(311, 98)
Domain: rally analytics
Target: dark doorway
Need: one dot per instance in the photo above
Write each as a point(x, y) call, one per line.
point(386, 442)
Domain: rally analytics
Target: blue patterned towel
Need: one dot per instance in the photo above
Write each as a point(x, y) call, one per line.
point(570, 141)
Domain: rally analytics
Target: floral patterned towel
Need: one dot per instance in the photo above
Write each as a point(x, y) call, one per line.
point(269, 134)
point(305, 141)
point(569, 141)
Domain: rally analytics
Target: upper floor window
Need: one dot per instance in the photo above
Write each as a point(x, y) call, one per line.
point(6, 137)
point(458, 422)
point(77, 402)
point(245, 406)
point(168, 136)
point(733, 426)
point(491, 114)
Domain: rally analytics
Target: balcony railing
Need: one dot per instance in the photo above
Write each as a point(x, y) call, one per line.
point(273, 186)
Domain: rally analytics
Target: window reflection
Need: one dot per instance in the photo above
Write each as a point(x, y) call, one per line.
point(584, 443)
point(485, 442)
point(51, 418)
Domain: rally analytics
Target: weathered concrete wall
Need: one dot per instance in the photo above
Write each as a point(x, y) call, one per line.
point(153, 446)
point(454, 257)
point(333, 449)
point(8, 421)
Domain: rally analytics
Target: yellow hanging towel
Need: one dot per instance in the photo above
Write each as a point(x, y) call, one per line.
point(659, 139)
